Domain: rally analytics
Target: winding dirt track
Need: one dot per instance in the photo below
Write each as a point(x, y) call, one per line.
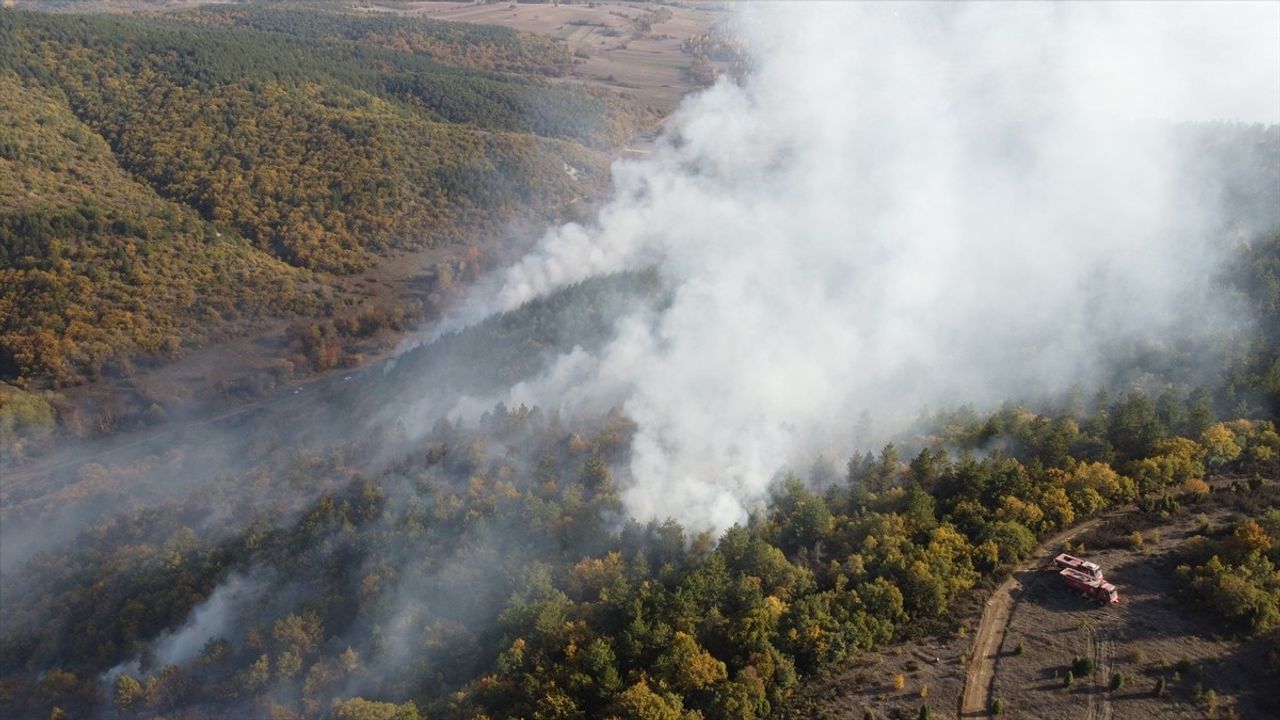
point(976, 699)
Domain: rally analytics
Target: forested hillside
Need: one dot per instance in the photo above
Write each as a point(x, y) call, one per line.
point(452, 533)
point(96, 264)
point(487, 47)
point(481, 575)
point(278, 148)
point(488, 570)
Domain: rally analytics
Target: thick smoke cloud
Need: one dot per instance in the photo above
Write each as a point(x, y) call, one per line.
point(902, 206)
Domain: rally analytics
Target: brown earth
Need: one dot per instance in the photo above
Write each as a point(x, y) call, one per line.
point(992, 629)
point(1144, 638)
point(932, 674)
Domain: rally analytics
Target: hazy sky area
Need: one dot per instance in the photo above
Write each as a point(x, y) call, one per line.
point(1227, 55)
point(904, 206)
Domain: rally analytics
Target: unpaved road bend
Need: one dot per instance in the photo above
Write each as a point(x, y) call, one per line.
point(975, 701)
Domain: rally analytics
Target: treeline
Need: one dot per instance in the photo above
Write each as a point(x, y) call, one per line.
point(490, 572)
point(1232, 573)
point(1253, 372)
point(715, 47)
point(488, 47)
point(414, 71)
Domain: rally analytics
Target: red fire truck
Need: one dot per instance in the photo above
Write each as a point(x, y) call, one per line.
point(1096, 588)
point(1070, 562)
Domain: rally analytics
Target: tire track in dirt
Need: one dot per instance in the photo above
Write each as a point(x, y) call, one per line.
point(1093, 651)
point(975, 700)
point(1106, 660)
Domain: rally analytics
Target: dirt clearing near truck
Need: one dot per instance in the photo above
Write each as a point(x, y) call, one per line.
point(1118, 655)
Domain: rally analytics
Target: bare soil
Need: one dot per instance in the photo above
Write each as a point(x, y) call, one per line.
point(993, 628)
point(931, 671)
point(1144, 638)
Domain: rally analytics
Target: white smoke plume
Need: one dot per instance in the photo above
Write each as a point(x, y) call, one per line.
point(904, 205)
point(211, 619)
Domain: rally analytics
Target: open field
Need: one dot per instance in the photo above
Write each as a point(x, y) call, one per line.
point(606, 37)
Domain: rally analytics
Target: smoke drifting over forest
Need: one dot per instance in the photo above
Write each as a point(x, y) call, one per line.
point(898, 209)
point(902, 207)
point(214, 617)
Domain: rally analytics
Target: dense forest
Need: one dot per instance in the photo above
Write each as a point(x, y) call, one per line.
point(489, 573)
point(212, 150)
point(95, 262)
point(487, 47)
point(488, 570)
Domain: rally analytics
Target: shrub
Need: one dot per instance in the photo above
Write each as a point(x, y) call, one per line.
point(1019, 649)
point(997, 707)
point(1081, 666)
point(899, 681)
point(1068, 679)
point(1159, 691)
point(1117, 681)
point(924, 713)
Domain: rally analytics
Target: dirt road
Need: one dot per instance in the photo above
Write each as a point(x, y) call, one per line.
point(976, 699)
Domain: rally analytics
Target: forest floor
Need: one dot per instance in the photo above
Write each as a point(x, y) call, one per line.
point(1151, 634)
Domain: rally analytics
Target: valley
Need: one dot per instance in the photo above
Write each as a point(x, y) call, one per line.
point(405, 359)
